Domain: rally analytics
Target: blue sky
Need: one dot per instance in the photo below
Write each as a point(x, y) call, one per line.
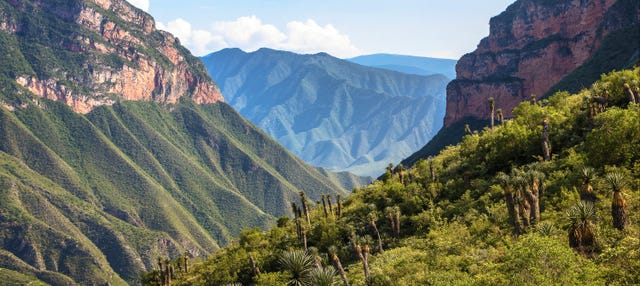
point(344, 28)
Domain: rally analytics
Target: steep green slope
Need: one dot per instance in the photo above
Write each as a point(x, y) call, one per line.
point(330, 112)
point(157, 180)
point(95, 189)
point(487, 211)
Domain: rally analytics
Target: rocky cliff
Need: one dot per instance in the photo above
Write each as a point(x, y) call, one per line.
point(531, 47)
point(123, 56)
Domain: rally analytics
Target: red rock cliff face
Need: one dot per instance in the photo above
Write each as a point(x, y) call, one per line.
point(531, 47)
point(154, 64)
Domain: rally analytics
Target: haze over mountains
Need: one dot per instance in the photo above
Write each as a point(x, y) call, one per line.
point(409, 64)
point(331, 112)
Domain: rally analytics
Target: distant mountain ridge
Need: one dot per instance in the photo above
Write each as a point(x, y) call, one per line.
point(409, 64)
point(331, 112)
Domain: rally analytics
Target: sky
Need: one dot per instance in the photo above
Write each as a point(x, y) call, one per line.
point(343, 28)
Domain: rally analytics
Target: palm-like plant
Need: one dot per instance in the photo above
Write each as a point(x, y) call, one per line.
point(544, 140)
point(632, 98)
point(582, 219)
point(507, 188)
point(492, 108)
point(618, 204)
point(299, 264)
point(373, 217)
point(333, 251)
point(587, 174)
point(534, 179)
point(323, 277)
point(524, 207)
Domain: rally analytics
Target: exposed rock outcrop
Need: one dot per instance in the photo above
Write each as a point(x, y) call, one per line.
point(531, 47)
point(128, 59)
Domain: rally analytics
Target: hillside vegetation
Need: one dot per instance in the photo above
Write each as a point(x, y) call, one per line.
point(549, 197)
point(125, 184)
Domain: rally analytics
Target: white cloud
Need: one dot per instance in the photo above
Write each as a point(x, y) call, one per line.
point(200, 42)
point(309, 37)
point(249, 34)
point(142, 4)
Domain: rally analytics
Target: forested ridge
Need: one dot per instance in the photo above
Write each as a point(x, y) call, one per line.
point(548, 197)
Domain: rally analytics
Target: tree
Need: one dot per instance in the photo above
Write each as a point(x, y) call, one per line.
point(546, 144)
point(524, 207)
point(492, 107)
point(587, 174)
point(509, 196)
point(534, 178)
point(582, 219)
point(336, 261)
point(299, 264)
point(305, 207)
point(364, 258)
point(324, 205)
point(393, 216)
point(400, 170)
point(632, 98)
point(617, 183)
point(373, 217)
point(500, 116)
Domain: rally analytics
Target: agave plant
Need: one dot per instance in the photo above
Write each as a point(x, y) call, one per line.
point(299, 264)
point(326, 276)
point(546, 229)
point(582, 219)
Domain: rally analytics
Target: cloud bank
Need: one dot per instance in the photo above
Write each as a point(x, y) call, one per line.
point(142, 4)
point(250, 33)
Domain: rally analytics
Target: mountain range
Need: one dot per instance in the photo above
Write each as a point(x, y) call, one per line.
point(117, 149)
point(331, 112)
point(409, 64)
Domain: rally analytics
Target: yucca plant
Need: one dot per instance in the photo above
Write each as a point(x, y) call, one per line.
point(506, 184)
point(333, 251)
point(546, 229)
point(500, 116)
point(299, 264)
point(324, 277)
point(587, 174)
point(582, 227)
point(373, 217)
point(492, 108)
point(617, 183)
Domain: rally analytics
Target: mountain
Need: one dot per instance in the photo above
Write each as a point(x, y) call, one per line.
point(534, 44)
point(487, 211)
point(409, 64)
point(535, 48)
point(117, 149)
point(330, 112)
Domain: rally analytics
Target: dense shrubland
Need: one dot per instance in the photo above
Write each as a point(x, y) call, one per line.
point(492, 210)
